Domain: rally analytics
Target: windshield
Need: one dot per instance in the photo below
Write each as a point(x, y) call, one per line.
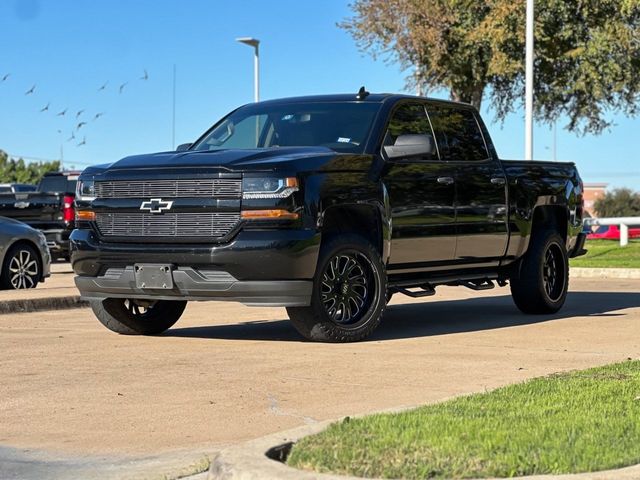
point(58, 184)
point(341, 126)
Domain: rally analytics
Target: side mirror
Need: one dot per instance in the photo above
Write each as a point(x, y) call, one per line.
point(183, 147)
point(412, 145)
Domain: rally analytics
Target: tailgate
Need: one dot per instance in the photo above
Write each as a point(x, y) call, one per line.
point(37, 209)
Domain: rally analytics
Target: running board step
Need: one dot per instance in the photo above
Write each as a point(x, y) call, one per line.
point(480, 285)
point(427, 291)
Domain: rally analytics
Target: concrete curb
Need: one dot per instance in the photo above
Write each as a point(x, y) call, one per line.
point(40, 304)
point(622, 273)
point(251, 461)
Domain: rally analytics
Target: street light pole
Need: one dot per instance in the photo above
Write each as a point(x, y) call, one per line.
point(255, 43)
point(528, 139)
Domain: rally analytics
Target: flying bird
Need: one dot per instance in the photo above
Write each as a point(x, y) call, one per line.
point(83, 142)
point(103, 86)
point(5, 77)
point(30, 91)
point(72, 137)
point(122, 87)
point(45, 108)
point(145, 76)
point(80, 112)
point(98, 115)
point(80, 125)
point(62, 113)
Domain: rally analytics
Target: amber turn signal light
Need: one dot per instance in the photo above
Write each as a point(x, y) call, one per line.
point(85, 215)
point(278, 214)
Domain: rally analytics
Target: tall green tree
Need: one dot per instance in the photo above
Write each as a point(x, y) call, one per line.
point(587, 62)
point(622, 202)
point(19, 171)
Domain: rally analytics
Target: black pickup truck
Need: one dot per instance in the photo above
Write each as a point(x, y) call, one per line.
point(326, 205)
point(49, 208)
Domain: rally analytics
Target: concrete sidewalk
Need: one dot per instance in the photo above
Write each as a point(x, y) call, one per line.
point(57, 292)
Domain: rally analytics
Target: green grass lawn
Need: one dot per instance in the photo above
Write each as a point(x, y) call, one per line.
point(609, 254)
point(581, 421)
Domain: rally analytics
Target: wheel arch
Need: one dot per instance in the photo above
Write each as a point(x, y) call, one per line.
point(555, 216)
point(364, 219)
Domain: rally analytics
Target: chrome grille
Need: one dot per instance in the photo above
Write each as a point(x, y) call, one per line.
point(183, 188)
point(166, 225)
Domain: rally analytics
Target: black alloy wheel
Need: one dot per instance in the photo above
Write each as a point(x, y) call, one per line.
point(347, 286)
point(553, 272)
point(349, 292)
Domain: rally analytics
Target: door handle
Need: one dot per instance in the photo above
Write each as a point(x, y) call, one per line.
point(446, 180)
point(498, 181)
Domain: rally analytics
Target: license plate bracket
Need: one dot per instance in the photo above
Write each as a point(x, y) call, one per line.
point(153, 275)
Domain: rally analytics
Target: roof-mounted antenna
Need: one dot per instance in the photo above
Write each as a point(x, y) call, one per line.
point(362, 93)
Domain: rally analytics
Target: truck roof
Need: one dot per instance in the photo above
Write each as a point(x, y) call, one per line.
point(352, 97)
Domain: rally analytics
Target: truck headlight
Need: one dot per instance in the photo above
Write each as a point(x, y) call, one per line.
point(85, 190)
point(268, 187)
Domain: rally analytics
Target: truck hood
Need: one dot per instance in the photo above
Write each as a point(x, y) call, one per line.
point(265, 159)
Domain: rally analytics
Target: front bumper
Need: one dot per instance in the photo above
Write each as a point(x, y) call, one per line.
point(193, 284)
point(262, 267)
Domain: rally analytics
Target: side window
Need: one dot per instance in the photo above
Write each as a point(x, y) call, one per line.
point(410, 119)
point(458, 134)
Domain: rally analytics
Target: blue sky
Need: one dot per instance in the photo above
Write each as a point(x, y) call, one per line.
point(69, 48)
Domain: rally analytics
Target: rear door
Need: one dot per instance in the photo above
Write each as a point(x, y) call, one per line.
point(481, 190)
point(421, 193)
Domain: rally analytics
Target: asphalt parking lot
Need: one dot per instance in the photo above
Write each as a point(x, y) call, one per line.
point(73, 392)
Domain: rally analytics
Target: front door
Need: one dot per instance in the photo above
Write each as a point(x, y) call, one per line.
point(422, 197)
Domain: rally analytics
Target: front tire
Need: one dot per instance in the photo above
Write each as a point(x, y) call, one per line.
point(349, 293)
point(137, 317)
point(541, 280)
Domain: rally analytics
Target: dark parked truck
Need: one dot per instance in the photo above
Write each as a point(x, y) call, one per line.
point(49, 209)
point(328, 206)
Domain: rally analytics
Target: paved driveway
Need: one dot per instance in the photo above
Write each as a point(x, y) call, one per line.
point(71, 390)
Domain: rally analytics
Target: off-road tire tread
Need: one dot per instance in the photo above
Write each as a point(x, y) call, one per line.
point(309, 321)
point(527, 286)
point(118, 319)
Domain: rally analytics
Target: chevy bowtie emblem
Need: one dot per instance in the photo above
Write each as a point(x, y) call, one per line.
point(156, 205)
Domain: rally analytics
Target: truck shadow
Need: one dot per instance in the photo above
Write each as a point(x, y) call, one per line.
point(433, 318)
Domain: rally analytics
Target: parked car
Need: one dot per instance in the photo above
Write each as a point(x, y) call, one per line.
point(611, 232)
point(24, 255)
point(17, 187)
point(326, 205)
point(49, 209)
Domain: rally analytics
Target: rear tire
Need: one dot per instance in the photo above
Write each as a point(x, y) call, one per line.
point(349, 293)
point(132, 317)
point(540, 281)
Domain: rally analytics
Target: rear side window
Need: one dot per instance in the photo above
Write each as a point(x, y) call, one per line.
point(458, 134)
